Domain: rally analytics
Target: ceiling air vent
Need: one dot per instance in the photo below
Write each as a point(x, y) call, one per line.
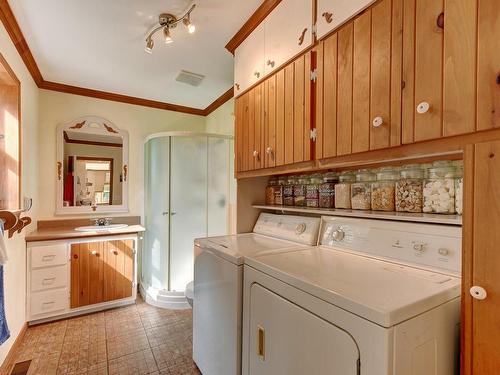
point(192, 79)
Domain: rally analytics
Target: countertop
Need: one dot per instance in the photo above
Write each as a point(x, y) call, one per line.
point(65, 230)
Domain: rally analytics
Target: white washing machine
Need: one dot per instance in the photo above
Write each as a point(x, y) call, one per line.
point(375, 298)
point(218, 285)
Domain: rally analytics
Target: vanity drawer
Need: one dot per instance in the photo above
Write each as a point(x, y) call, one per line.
point(49, 301)
point(50, 255)
point(49, 278)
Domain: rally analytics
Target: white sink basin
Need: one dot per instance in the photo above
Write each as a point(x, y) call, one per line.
point(99, 228)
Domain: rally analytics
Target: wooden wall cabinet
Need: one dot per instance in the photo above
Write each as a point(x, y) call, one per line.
point(358, 91)
point(273, 119)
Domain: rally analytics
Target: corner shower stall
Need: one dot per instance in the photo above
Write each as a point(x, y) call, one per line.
point(188, 194)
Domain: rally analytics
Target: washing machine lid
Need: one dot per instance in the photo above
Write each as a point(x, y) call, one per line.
point(235, 248)
point(380, 291)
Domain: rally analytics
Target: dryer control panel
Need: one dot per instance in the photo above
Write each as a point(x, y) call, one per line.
point(428, 245)
point(300, 229)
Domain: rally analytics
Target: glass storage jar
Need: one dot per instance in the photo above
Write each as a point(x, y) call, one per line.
point(383, 190)
point(439, 188)
point(278, 192)
point(361, 190)
point(288, 191)
point(409, 188)
point(327, 190)
point(459, 186)
point(312, 191)
point(343, 190)
point(299, 191)
point(272, 183)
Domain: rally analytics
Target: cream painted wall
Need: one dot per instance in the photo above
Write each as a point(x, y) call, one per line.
point(221, 121)
point(57, 108)
point(15, 268)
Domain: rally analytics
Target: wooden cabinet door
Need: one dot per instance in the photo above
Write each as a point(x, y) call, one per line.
point(238, 134)
point(87, 273)
point(269, 95)
point(422, 69)
point(333, 13)
point(288, 31)
point(101, 271)
point(488, 65)
point(118, 269)
point(481, 340)
point(249, 61)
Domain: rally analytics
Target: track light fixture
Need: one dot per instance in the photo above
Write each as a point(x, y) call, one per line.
point(166, 22)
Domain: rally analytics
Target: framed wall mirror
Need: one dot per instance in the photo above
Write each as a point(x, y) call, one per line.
point(92, 167)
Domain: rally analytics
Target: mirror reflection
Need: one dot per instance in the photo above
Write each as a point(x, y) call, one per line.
point(93, 165)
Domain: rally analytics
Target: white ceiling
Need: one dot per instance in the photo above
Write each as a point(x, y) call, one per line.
point(99, 44)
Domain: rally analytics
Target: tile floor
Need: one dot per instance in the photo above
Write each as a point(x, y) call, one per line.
point(137, 339)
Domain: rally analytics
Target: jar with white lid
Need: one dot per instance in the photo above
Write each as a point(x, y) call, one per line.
point(383, 189)
point(459, 186)
point(312, 190)
point(327, 190)
point(343, 190)
point(439, 188)
point(409, 188)
point(299, 191)
point(288, 191)
point(361, 190)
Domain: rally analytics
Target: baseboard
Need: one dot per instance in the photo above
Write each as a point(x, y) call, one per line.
point(8, 363)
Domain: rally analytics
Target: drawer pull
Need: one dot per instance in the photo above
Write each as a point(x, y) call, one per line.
point(302, 36)
point(423, 107)
point(261, 349)
point(270, 63)
point(377, 121)
point(48, 281)
point(48, 303)
point(328, 17)
point(47, 258)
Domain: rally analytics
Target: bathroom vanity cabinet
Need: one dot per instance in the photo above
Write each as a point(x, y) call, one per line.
point(71, 277)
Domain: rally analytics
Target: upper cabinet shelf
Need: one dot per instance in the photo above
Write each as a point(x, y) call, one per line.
point(285, 32)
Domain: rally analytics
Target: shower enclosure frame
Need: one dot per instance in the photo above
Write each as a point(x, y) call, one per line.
point(168, 298)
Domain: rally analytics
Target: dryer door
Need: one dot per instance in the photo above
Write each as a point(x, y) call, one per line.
point(287, 339)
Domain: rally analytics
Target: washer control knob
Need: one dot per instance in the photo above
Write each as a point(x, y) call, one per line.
point(444, 252)
point(300, 228)
point(478, 293)
point(338, 235)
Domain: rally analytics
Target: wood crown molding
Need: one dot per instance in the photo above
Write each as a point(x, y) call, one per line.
point(9, 21)
point(255, 19)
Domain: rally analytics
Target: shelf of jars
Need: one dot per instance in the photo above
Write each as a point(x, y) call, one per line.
point(397, 216)
point(429, 193)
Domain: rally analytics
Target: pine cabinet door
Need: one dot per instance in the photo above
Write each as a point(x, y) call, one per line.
point(119, 269)
point(87, 273)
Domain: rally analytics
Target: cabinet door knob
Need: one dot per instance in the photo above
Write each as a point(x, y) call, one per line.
point(440, 21)
point(237, 85)
point(269, 150)
point(377, 121)
point(256, 154)
point(94, 252)
point(423, 107)
point(302, 36)
point(478, 293)
point(256, 74)
point(328, 17)
point(270, 63)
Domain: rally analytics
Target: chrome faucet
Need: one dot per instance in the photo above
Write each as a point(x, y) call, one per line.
point(102, 221)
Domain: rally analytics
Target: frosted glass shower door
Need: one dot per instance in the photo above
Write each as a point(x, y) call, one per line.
point(155, 257)
point(188, 205)
point(218, 186)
